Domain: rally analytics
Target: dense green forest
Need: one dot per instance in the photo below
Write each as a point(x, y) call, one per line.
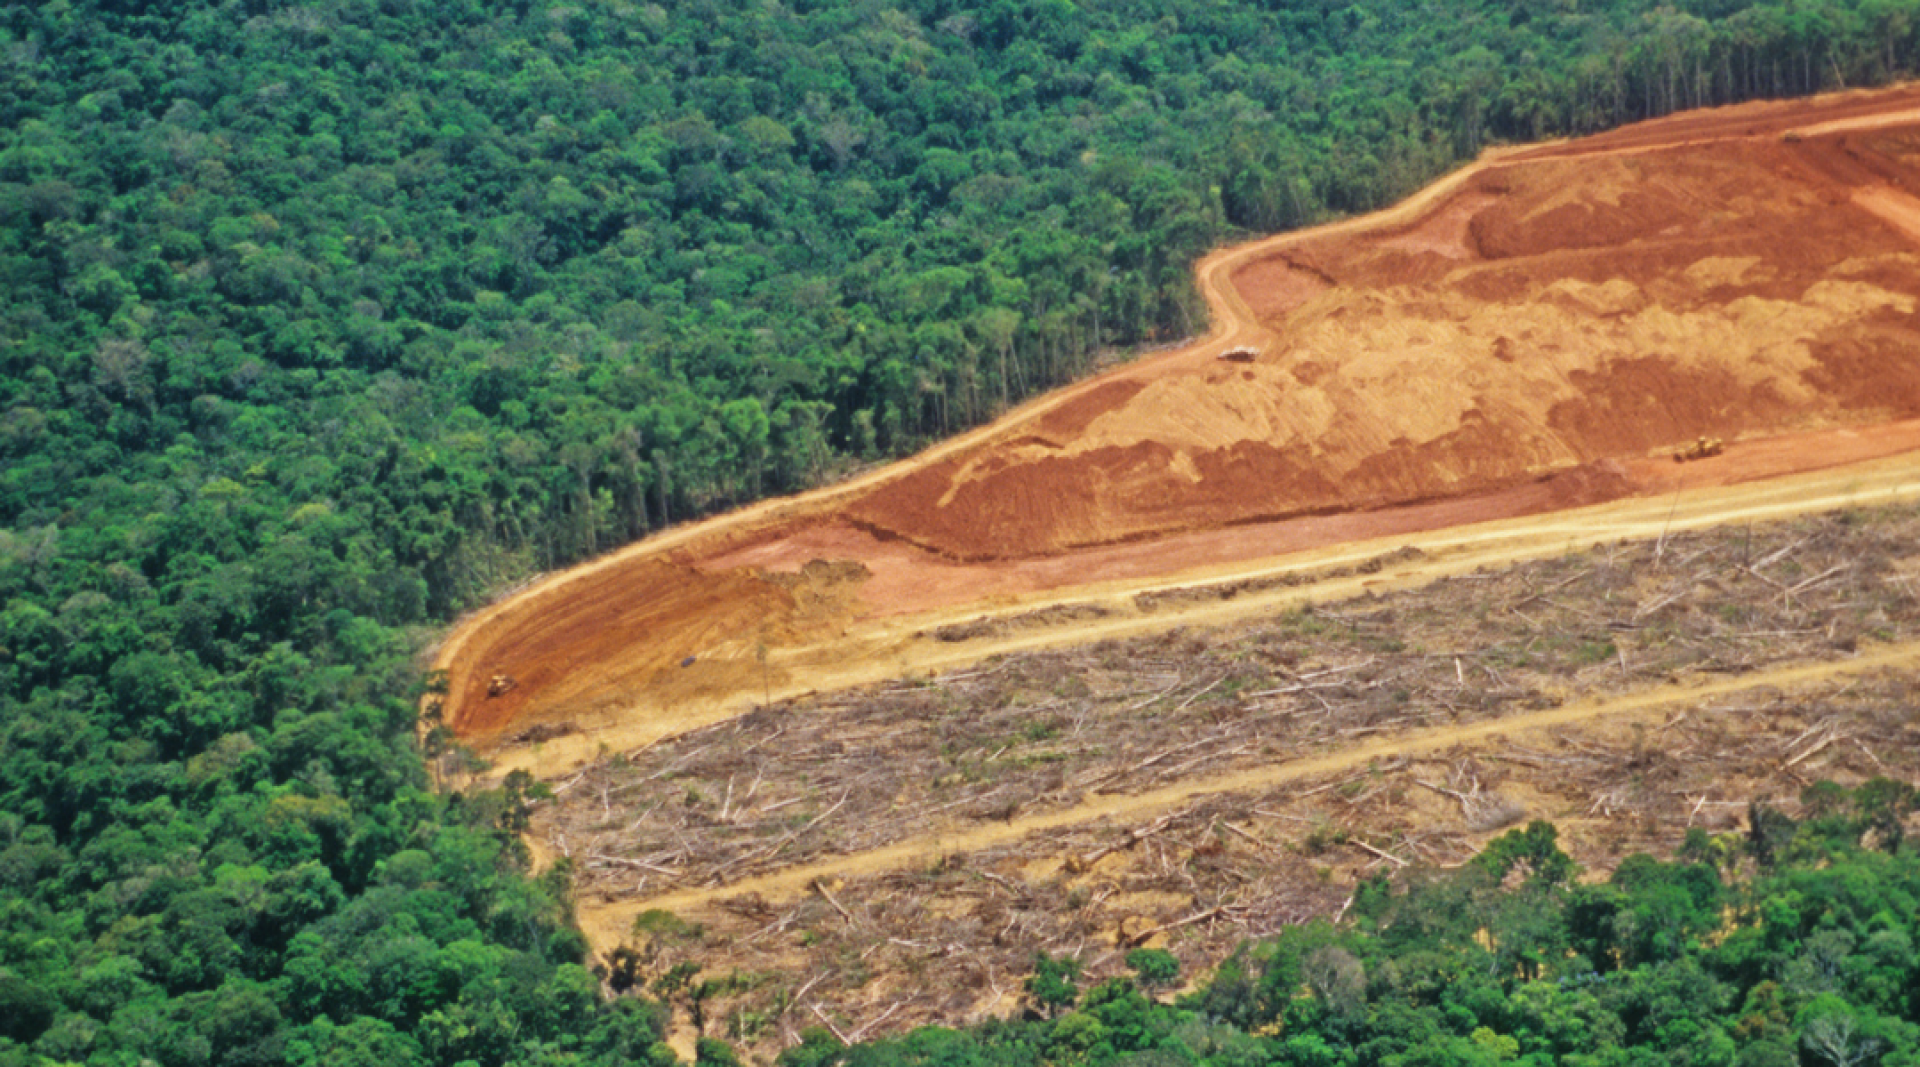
point(318, 322)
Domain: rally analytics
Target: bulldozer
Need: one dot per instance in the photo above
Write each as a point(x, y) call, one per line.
point(1701, 448)
point(500, 683)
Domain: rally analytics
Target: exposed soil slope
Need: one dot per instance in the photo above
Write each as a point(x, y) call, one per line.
point(1533, 332)
point(1548, 313)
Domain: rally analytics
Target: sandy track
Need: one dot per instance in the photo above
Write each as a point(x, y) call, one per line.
point(607, 925)
point(600, 647)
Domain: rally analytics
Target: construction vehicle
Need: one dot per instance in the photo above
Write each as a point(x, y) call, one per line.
point(500, 683)
point(1242, 354)
point(1701, 448)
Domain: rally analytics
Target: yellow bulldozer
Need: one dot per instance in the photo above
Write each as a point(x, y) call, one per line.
point(1701, 448)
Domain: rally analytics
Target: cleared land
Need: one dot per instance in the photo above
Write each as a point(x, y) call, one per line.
point(1194, 788)
point(1175, 655)
point(1536, 332)
point(1026, 736)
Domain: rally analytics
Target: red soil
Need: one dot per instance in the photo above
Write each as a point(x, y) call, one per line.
point(1549, 315)
point(1535, 332)
point(597, 637)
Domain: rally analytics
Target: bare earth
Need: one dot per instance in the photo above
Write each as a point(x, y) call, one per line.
point(1535, 332)
point(1496, 371)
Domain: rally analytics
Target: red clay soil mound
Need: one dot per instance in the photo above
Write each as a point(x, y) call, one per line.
point(1551, 313)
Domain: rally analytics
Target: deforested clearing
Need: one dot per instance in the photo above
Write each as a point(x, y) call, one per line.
point(1194, 788)
point(1545, 329)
